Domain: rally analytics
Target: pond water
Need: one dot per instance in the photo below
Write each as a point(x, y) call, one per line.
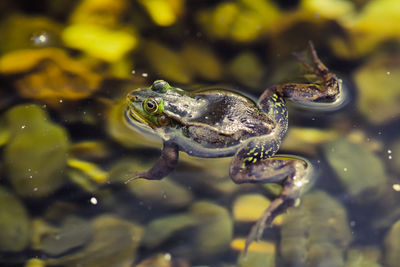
point(66, 149)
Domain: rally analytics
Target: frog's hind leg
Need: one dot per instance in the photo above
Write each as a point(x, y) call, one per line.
point(327, 89)
point(292, 173)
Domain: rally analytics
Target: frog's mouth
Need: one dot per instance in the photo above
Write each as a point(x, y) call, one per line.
point(134, 121)
point(133, 115)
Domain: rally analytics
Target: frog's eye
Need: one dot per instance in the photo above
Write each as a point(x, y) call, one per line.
point(163, 120)
point(160, 86)
point(150, 105)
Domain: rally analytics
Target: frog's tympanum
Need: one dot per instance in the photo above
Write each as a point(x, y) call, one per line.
point(221, 123)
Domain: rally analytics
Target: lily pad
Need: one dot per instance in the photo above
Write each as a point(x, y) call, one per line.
point(99, 42)
point(378, 87)
point(256, 259)
point(49, 75)
point(363, 257)
point(75, 232)
point(317, 231)
point(261, 253)
point(325, 254)
point(21, 31)
point(369, 29)
point(14, 223)
point(36, 156)
point(161, 192)
point(202, 61)
point(392, 246)
point(358, 169)
point(247, 69)
point(160, 260)
point(35, 263)
point(167, 62)
point(163, 13)
point(210, 228)
point(161, 229)
point(332, 9)
point(5, 133)
point(307, 140)
point(394, 156)
point(114, 243)
point(242, 21)
point(101, 12)
point(249, 208)
point(215, 231)
point(165, 191)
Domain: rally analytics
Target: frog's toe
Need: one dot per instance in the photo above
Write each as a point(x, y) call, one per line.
point(255, 234)
point(303, 62)
point(259, 233)
point(135, 177)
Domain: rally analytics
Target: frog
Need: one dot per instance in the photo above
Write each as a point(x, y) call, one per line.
point(218, 122)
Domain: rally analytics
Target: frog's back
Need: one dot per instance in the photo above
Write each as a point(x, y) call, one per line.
point(222, 121)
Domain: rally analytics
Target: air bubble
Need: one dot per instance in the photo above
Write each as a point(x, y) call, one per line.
point(40, 38)
point(93, 200)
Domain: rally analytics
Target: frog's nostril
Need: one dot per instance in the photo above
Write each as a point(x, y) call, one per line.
point(133, 98)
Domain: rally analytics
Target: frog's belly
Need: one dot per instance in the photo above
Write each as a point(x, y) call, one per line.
point(209, 144)
point(202, 150)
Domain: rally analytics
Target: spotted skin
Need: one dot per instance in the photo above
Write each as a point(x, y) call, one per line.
point(259, 152)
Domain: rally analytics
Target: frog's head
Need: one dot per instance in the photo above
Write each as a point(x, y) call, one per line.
point(145, 106)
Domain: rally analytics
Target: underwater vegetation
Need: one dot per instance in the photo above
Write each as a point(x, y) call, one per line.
point(66, 149)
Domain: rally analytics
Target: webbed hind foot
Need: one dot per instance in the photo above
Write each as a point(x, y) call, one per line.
point(293, 173)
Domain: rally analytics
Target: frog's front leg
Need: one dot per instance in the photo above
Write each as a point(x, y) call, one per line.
point(165, 164)
point(254, 163)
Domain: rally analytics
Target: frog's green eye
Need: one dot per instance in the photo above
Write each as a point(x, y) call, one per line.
point(150, 105)
point(160, 86)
